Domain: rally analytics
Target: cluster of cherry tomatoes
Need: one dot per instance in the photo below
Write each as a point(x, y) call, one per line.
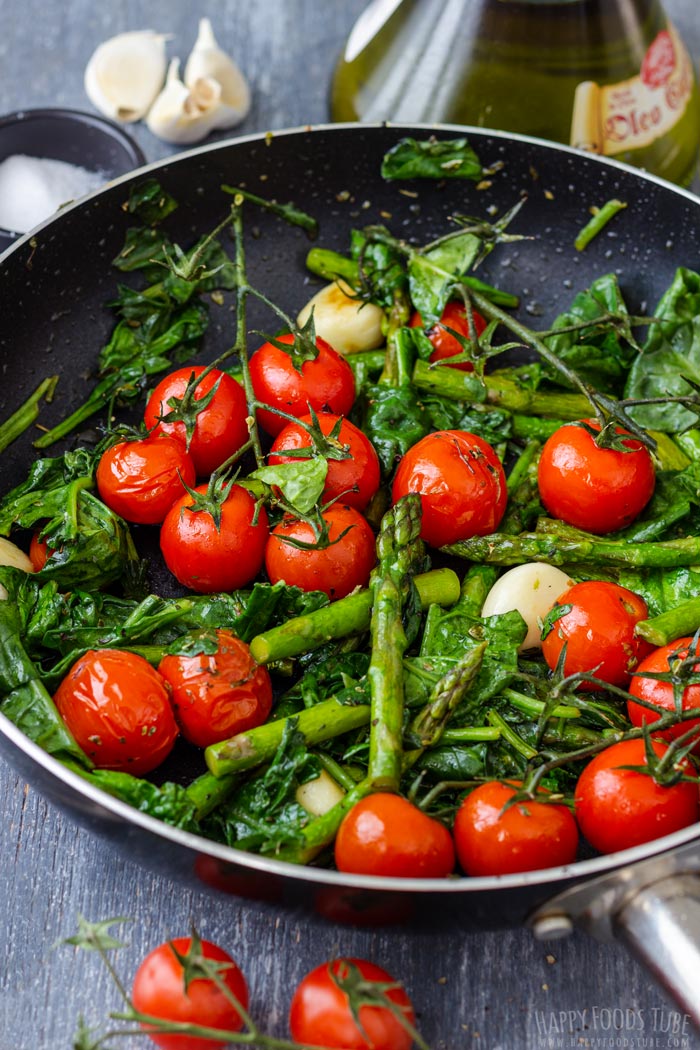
point(209, 697)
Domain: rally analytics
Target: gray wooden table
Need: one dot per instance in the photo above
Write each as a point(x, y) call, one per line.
point(486, 991)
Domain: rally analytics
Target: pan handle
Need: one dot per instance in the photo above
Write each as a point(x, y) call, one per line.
point(660, 924)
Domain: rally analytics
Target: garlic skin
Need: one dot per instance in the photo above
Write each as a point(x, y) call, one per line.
point(10, 554)
point(183, 115)
point(208, 61)
point(125, 74)
point(349, 325)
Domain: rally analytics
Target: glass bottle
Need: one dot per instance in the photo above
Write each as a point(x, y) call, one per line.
point(610, 76)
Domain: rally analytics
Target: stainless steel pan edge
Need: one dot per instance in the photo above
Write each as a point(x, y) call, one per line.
point(54, 284)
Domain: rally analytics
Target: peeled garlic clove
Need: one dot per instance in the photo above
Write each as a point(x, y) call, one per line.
point(182, 116)
point(207, 60)
point(348, 324)
point(126, 73)
point(319, 795)
point(10, 554)
point(532, 589)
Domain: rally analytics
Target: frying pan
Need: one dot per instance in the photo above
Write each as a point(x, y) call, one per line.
point(53, 319)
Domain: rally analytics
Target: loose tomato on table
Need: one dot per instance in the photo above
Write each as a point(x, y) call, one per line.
point(461, 483)
point(618, 807)
point(325, 383)
point(159, 991)
point(140, 480)
point(492, 840)
point(355, 478)
point(385, 834)
point(118, 709)
point(207, 556)
point(338, 568)
point(216, 695)
point(596, 489)
point(661, 693)
point(217, 430)
point(595, 620)
point(321, 1012)
point(454, 316)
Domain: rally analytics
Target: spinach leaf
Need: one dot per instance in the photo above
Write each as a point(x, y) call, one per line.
point(394, 419)
point(168, 802)
point(431, 159)
point(433, 274)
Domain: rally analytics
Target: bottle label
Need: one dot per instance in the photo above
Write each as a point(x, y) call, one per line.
point(614, 118)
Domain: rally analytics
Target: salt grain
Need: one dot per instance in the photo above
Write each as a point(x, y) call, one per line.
point(33, 188)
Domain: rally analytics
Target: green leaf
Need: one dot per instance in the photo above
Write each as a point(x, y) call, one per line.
point(431, 159)
point(150, 203)
point(301, 483)
point(434, 274)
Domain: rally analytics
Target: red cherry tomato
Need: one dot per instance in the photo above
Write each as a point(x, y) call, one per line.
point(216, 695)
point(326, 383)
point(320, 1012)
point(206, 558)
point(524, 837)
point(39, 552)
point(454, 316)
point(461, 483)
point(660, 693)
point(386, 834)
point(617, 808)
point(596, 489)
point(159, 991)
point(598, 631)
point(140, 480)
point(337, 569)
point(118, 709)
point(356, 479)
point(220, 428)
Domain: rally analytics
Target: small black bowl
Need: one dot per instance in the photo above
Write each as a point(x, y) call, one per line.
point(69, 135)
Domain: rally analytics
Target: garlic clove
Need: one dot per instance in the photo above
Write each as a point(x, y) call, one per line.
point(347, 324)
point(207, 60)
point(125, 74)
point(10, 554)
point(181, 115)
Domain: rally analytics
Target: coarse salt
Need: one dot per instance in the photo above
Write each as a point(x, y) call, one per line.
point(33, 188)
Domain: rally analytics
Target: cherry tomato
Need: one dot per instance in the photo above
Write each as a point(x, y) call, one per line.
point(39, 552)
point(660, 693)
point(597, 627)
point(140, 480)
point(320, 1012)
point(326, 383)
point(596, 489)
point(208, 558)
point(386, 834)
point(159, 991)
point(337, 569)
point(118, 709)
point(461, 483)
point(454, 316)
point(216, 695)
point(220, 428)
point(524, 837)
point(617, 808)
point(356, 479)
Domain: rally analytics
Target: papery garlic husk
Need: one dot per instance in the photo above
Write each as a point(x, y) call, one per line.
point(208, 60)
point(10, 554)
point(348, 324)
point(125, 74)
point(183, 115)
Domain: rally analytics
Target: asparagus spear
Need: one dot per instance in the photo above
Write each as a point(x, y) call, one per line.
point(671, 624)
point(501, 549)
point(430, 722)
point(347, 616)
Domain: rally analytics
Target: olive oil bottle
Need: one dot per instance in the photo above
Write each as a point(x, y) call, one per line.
point(610, 76)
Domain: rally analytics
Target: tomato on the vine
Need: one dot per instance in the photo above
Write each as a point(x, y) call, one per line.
point(336, 569)
point(454, 316)
point(140, 480)
point(325, 383)
point(216, 695)
point(461, 483)
point(39, 551)
point(206, 556)
point(661, 694)
point(528, 835)
point(595, 620)
point(354, 479)
point(159, 991)
point(219, 429)
point(618, 807)
point(596, 489)
point(385, 834)
point(321, 1012)
point(118, 709)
